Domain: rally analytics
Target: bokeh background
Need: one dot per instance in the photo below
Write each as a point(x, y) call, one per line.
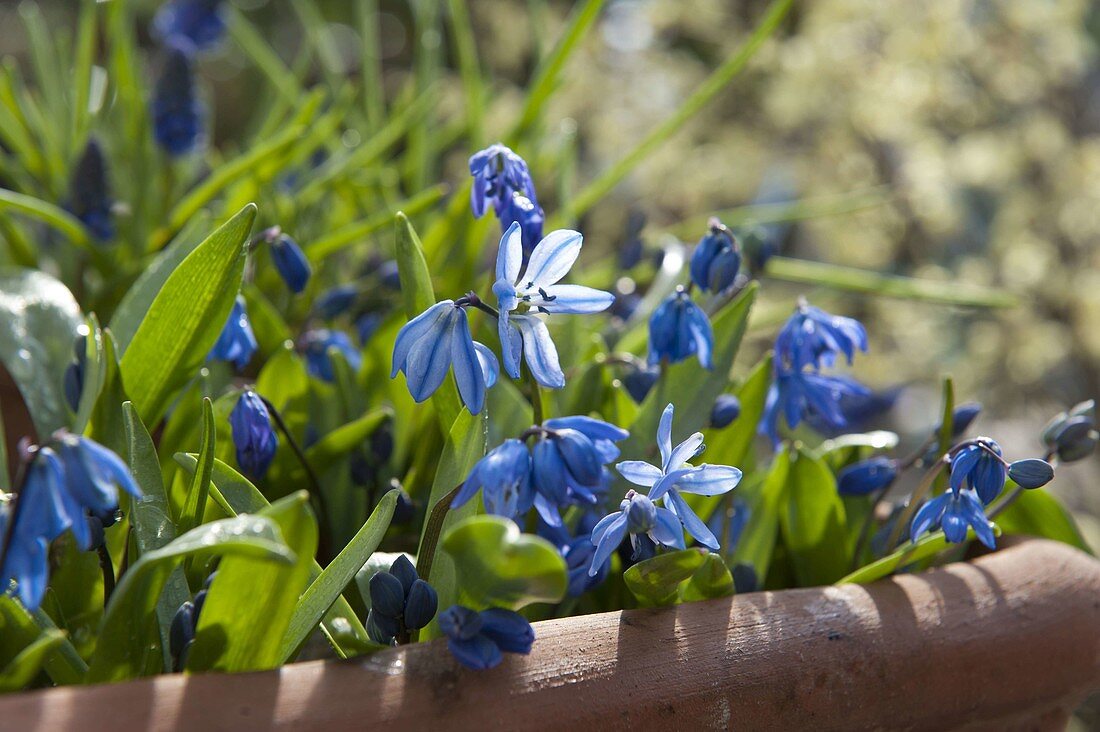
point(955, 140)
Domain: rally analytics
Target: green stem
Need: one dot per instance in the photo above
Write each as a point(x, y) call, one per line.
point(536, 398)
point(914, 501)
point(108, 568)
point(432, 529)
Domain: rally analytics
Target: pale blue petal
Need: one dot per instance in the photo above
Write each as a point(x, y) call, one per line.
point(595, 429)
point(467, 367)
point(692, 523)
point(539, 352)
point(511, 345)
point(639, 472)
point(430, 357)
point(574, 299)
point(667, 530)
point(664, 434)
point(608, 542)
point(685, 451)
point(603, 525)
point(701, 334)
point(927, 517)
point(413, 331)
point(669, 481)
point(490, 368)
point(710, 480)
point(510, 254)
point(551, 259)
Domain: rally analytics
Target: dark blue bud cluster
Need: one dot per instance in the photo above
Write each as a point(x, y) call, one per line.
point(401, 602)
point(181, 634)
point(1072, 435)
point(479, 640)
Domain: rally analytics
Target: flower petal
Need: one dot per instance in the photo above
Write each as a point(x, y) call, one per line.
point(664, 434)
point(667, 529)
point(574, 299)
point(511, 344)
point(692, 523)
point(685, 451)
point(552, 259)
point(413, 331)
point(710, 480)
point(539, 352)
point(510, 254)
point(639, 472)
point(490, 368)
point(607, 543)
point(478, 653)
point(430, 357)
point(467, 367)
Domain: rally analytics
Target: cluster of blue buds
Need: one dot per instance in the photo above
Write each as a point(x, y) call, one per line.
point(439, 339)
point(716, 260)
point(479, 640)
point(71, 484)
point(1072, 435)
point(400, 602)
point(177, 112)
point(289, 259)
point(978, 473)
point(200, 22)
point(318, 345)
point(642, 519)
point(810, 340)
point(564, 467)
point(253, 434)
point(237, 343)
point(181, 634)
point(502, 179)
point(90, 193)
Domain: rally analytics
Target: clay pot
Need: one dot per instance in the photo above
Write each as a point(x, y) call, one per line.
point(1008, 641)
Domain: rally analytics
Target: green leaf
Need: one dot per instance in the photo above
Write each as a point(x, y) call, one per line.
point(330, 584)
point(732, 445)
point(150, 518)
point(1038, 513)
point(199, 489)
point(139, 298)
point(328, 244)
point(765, 500)
point(39, 320)
point(236, 495)
point(689, 386)
point(53, 216)
point(128, 631)
point(186, 318)
point(344, 439)
point(19, 629)
point(237, 633)
point(498, 566)
point(465, 445)
point(656, 581)
point(884, 285)
point(106, 425)
point(96, 370)
point(416, 281)
point(22, 669)
point(813, 525)
point(928, 546)
point(712, 579)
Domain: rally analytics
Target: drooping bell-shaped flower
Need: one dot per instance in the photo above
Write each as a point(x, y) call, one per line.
point(679, 329)
point(318, 345)
point(523, 211)
point(90, 193)
point(955, 511)
point(813, 338)
point(291, 263)
point(438, 340)
point(716, 260)
point(980, 467)
point(237, 343)
point(498, 173)
point(479, 639)
point(200, 22)
point(253, 434)
point(504, 478)
point(867, 476)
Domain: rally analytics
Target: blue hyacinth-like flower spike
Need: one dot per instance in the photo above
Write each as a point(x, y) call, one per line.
point(253, 434)
point(90, 194)
point(679, 329)
point(524, 334)
point(237, 343)
point(200, 22)
point(439, 340)
point(177, 112)
point(479, 640)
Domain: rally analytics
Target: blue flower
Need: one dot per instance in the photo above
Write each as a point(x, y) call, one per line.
point(813, 337)
point(479, 639)
point(639, 517)
point(538, 290)
point(678, 329)
point(716, 260)
point(336, 301)
point(198, 21)
point(90, 194)
point(979, 467)
point(521, 210)
point(954, 511)
point(177, 113)
point(676, 476)
point(41, 514)
point(806, 395)
point(436, 340)
point(568, 463)
point(498, 173)
point(639, 379)
point(236, 343)
point(291, 262)
point(866, 476)
point(726, 409)
point(504, 478)
point(317, 346)
point(367, 324)
point(92, 476)
point(253, 435)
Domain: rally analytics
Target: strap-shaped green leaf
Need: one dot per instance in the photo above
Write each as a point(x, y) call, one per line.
point(186, 318)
